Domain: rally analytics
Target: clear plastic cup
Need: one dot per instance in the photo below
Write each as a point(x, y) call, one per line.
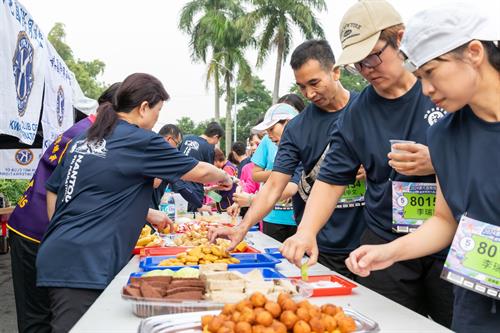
point(393, 141)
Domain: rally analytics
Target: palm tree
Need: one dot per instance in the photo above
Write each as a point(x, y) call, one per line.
point(229, 61)
point(207, 33)
point(278, 18)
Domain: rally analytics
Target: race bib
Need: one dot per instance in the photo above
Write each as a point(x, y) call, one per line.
point(412, 204)
point(474, 258)
point(284, 205)
point(354, 195)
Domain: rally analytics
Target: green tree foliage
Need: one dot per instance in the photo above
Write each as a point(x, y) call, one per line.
point(277, 19)
point(352, 81)
point(86, 72)
point(253, 103)
point(206, 22)
point(217, 29)
point(186, 125)
point(12, 189)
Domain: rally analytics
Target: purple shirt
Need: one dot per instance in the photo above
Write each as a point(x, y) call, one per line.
point(29, 219)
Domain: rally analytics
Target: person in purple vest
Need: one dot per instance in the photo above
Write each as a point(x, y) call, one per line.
point(28, 223)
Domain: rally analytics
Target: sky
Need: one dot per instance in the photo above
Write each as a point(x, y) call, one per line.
point(142, 36)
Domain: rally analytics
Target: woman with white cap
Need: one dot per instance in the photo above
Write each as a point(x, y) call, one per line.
point(279, 223)
point(391, 107)
point(452, 50)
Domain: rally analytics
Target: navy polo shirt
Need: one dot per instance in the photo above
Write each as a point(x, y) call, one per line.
point(103, 193)
point(465, 154)
point(363, 137)
point(303, 142)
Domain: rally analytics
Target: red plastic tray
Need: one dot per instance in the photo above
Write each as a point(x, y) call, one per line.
point(173, 250)
point(346, 288)
point(137, 250)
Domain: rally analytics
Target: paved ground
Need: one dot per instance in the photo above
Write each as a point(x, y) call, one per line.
point(7, 303)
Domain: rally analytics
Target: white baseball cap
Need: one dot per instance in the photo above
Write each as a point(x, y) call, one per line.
point(439, 30)
point(275, 113)
point(361, 26)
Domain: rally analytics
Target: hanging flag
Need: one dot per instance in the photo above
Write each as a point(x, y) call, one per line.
point(22, 71)
point(57, 115)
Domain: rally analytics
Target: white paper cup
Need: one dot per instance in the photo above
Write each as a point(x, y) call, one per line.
point(393, 141)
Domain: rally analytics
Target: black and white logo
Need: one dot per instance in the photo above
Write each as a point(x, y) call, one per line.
point(434, 114)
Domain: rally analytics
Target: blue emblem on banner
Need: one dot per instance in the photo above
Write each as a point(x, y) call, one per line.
point(60, 105)
point(22, 65)
point(24, 156)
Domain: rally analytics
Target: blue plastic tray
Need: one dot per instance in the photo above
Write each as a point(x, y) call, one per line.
point(251, 260)
point(267, 273)
point(274, 251)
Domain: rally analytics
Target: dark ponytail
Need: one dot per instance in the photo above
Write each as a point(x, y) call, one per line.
point(133, 91)
point(104, 123)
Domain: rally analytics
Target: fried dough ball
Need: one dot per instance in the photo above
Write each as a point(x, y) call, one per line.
point(258, 299)
point(229, 324)
point(236, 316)
point(258, 329)
point(244, 304)
point(303, 314)
point(273, 308)
point(278, 327)
point(224, 329)
point(347, 324)
point(256, 311)
point(330, 323)
point(282, 297)
point(288, 304)
point(301, 327)
point(247, 315)
point(215, 324)
point(329, 309)
point(317, 325)
point(264, 318)
point(205, 320)
point(314, 312)
point(304, 304)
point(243, 327)
point(289, 318)
point(228, 309)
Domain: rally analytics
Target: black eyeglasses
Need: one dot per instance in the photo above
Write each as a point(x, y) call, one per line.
point(372, 60)
point(177, 143)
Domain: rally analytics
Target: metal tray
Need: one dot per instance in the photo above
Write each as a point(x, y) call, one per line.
point(191, 322)
point(143, 307)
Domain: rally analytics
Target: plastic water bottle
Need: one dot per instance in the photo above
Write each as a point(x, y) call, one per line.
point(167, 204)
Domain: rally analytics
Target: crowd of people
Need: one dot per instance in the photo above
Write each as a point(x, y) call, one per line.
point(321, 178)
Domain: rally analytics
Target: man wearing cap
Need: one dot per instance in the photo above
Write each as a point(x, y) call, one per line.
point(305, 142)
point(279, 223)
point(391, 107)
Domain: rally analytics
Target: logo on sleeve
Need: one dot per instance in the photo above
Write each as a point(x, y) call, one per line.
point(434, 114)
point(96, 148)
point(60, 105)
point(22, 66)
point(24, 157)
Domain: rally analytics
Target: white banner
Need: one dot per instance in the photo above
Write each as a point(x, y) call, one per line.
point(58, 113)
point(22, 69)
point(82, 102)
point(19, 163)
